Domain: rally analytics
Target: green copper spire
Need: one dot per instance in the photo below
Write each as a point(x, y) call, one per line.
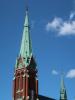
point(26, 50)
point(63, 95)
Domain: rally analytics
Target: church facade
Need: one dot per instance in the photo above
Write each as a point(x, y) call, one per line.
point(25, 77)
point(25, 81)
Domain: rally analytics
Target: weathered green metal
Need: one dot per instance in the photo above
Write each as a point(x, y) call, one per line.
point(26, 49)
point(63, 95)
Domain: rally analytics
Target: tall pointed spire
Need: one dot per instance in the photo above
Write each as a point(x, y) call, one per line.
point(25, 82)
point(63, 95)
point(26, 49)
point(25, 54)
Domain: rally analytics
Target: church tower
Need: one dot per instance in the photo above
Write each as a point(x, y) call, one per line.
point(63, 94)
point(25, 82)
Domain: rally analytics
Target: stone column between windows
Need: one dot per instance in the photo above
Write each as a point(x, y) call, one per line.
point(24, 86)
point(21, 82)
point(27, 89)
point(17, 83)
point(36, 87)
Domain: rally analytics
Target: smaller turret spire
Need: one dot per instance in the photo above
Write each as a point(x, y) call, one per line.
point(63, 95)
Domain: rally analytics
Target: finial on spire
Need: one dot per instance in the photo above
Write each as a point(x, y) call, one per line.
point(26, 3)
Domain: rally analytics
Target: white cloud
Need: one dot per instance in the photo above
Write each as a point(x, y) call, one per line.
point(72, 15)
point(71, 74)
point(54, 72)
point(55, 24)
point(68, 28)
point(62, 27)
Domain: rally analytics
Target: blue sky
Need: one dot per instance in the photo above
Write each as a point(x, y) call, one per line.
point(53, 40)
